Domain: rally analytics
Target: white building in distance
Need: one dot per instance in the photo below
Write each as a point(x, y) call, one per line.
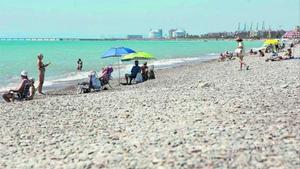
point(179, 33)
point(156, 34)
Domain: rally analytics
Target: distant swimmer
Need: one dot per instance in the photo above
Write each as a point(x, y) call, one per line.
point(79, 64)
point(41, 69)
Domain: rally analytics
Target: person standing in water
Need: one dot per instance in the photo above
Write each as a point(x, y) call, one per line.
point(79, 65)
point(240, 51)
point(41, 69)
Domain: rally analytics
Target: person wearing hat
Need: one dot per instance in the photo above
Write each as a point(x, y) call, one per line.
point(20, 92)
point(240, 51)
point(42, 69)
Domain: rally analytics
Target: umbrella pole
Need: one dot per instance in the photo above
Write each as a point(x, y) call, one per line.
point(119, 72)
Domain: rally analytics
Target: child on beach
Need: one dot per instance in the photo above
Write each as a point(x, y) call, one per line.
point(240, 53)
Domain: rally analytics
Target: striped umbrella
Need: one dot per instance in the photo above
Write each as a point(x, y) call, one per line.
point(295, 34)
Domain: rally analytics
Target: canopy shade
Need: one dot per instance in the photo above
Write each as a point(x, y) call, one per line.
point(295, 34)
point(271, 42)
point(138, 56)
point(117, 52)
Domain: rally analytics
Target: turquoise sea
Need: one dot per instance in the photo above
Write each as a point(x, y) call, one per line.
point(16, 56)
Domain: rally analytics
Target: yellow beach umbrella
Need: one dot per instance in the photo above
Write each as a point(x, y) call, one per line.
point(138, 56)
point(271, 42)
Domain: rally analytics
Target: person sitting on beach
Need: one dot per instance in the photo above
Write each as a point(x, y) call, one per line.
point(106, 75)
point(93, 84)
point(21, 92)
point(222, 57)
point(94, 81)
point(229, 55)
point(261, 53)
point(31, 89)
point(251, 52)
point(289, 53)
point(134, 71)
point(144, 69)
point(276, 57)
point(151, 73)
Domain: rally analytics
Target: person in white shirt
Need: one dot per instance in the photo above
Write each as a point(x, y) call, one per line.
point(240, 51)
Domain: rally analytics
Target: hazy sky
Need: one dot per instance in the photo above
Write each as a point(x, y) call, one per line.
point(107, 18)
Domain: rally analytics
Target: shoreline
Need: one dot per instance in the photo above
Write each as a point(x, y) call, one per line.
point(60, 83)
point(62, 70)
point(70, 86)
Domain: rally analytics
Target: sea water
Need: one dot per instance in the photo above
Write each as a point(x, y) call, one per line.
point(16, 56)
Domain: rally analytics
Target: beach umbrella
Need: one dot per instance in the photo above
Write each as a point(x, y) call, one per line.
point(271, 42)
point(295, 34)
point(117, 52)
point(138, 56)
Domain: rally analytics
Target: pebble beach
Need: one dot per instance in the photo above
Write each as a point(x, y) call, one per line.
point(207, 115)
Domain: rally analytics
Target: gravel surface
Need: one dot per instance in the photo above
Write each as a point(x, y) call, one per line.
point(207, 115)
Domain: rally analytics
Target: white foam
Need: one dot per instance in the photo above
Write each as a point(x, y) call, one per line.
point(70, 77)
point(212, 54)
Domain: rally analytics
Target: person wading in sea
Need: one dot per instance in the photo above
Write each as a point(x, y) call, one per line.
point(79, 64)
point(41, 69)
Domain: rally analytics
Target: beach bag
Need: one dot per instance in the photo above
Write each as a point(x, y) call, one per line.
point(139, 78)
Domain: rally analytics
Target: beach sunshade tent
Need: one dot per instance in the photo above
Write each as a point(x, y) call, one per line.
point(138, 56)
point(295, 34)
point(117, 52)
point(271, 42)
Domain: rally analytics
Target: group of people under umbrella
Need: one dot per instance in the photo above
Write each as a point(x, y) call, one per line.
point(138, 74)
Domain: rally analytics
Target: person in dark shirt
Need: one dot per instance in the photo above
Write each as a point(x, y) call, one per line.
point(134, 71)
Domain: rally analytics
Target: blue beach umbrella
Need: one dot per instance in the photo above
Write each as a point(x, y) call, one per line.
point(117, 52)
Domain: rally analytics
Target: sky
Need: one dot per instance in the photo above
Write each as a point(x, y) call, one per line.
point(118, 18)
